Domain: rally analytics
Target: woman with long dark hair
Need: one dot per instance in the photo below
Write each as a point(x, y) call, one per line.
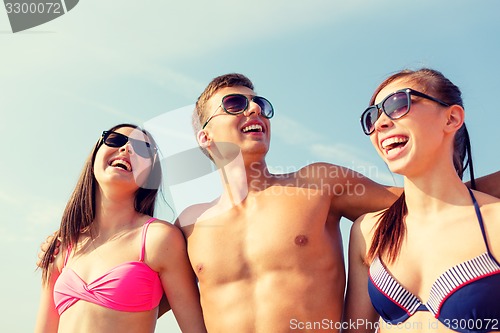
point(430, 262)
point(116, 260)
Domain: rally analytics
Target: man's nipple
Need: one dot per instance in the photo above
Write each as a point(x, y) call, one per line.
point(301, 240)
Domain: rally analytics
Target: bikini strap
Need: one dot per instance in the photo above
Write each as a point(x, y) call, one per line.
point(480, 219)
point(143, 244)
point(68, 252)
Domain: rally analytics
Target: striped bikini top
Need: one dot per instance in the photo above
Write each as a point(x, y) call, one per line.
point(465, 298)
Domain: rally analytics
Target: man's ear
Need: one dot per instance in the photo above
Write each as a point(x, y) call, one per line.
point(455, 118)
point(203, 139)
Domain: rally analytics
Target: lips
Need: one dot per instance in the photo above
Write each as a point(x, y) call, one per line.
point(121, 163)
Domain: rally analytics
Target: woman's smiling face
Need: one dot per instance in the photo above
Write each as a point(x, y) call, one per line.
point(412, 140)
point(123, 164)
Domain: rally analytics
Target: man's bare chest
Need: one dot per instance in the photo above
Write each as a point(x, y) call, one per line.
point(272, 235)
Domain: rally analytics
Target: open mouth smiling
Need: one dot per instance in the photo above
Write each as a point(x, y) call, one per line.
point(121, 164)
point(393, 143)
point(255, 128)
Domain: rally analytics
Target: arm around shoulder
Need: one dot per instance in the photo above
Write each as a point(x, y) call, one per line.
point(489, 184)
point(355, 195)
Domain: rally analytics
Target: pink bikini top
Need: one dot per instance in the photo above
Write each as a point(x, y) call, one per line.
point(132, 286)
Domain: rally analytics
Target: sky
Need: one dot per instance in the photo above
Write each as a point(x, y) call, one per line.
point(318, 61)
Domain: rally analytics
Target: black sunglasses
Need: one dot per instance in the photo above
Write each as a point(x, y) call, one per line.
point(395, 106)
point(117, 140)
point(238, 103)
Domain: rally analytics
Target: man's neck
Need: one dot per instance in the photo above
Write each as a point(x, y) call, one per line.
point(240, 176)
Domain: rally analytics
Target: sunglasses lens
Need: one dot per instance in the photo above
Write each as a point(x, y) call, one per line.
point(265, 106)
point(115, 140)
point(396, 105)
point(368, 119)
point(142, 148)
point(234, 103)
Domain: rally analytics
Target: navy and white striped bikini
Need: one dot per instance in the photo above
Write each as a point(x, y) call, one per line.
point(465, 298)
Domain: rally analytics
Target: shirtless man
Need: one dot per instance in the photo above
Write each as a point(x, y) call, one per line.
point(268, 252)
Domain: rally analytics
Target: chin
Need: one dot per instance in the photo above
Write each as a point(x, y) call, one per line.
point(396, 167)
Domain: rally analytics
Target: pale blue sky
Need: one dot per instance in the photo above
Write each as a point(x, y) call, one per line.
point(318, 62)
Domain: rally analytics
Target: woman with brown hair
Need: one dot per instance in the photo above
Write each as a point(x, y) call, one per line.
point(116, 261)
point(430, 262)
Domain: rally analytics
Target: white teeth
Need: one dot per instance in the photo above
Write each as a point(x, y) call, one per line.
point(121, 164)
point(392, 140)
point(252, 128)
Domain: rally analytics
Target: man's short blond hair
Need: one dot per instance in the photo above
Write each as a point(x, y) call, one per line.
point(200, 114)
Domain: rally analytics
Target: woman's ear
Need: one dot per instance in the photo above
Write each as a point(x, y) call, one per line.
point(203, 139)
point(455, 118)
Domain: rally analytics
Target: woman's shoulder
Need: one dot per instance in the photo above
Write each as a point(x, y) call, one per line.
point(490, 211)
point(367, 222)
point(362, 230)
point(489, 206)
point(161, 227)
point(164, 243)
point(361, 235)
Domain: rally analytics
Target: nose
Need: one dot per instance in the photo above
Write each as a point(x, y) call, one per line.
point(126, 148)
point(253, 108)
point(383, 122)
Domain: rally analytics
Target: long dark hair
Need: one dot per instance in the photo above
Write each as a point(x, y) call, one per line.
point(80, 209)
point(390, 230)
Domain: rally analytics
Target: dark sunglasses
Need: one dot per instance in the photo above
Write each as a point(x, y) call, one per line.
point(395, 106)
point(238, 103)
point(117, 140)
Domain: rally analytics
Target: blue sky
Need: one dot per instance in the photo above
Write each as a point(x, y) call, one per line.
point(317, 61)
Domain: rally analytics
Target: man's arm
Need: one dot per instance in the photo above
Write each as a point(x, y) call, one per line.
point(489, 184)
point(361, 195)
point(355, 194)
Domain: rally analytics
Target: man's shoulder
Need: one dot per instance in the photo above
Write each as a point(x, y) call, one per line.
point(192, 213)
